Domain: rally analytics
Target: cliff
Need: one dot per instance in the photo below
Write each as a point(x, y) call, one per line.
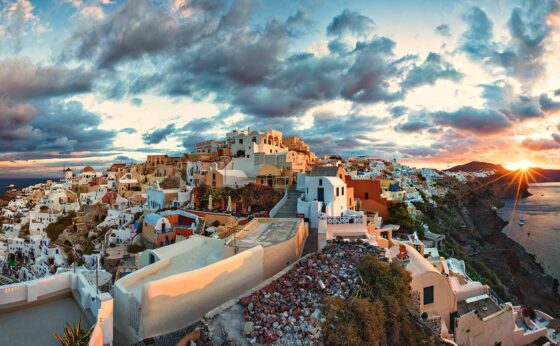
point(468, 218)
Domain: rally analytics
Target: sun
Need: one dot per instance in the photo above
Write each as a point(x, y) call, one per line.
point(519, 165)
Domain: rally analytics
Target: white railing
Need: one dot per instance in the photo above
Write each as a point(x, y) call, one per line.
point(344, 220)
point(279, 205)
point(101, 305)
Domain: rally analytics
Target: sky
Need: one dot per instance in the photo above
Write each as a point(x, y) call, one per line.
point(431, 83)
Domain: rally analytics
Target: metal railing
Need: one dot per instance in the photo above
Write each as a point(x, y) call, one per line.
point(134, 313)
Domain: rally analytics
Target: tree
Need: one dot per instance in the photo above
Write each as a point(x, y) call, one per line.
point(74, 335)
point(378, 314)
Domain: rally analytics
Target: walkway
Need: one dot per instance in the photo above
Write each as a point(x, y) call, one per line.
point(289, 209)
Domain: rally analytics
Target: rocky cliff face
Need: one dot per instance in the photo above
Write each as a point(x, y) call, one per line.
point(474, 233)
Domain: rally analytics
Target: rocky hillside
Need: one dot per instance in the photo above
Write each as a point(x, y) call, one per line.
point(477, 166)
point(468, 218)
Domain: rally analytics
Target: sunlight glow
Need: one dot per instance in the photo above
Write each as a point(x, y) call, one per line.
point(522, 165)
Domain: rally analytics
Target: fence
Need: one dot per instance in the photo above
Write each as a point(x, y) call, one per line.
point(343, 220)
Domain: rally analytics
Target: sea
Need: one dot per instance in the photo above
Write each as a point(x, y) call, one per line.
point(19, 183)
point(540, 235)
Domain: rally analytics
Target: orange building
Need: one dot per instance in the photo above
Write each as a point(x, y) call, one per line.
point(367, 193)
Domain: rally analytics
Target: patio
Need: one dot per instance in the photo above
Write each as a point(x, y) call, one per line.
point(39, 321)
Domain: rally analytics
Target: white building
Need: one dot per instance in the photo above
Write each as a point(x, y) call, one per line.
point(322, 196)
point(40, 219)
point(246, 145)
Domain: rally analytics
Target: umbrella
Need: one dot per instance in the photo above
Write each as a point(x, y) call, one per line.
point(210, 202)
point(229, 204)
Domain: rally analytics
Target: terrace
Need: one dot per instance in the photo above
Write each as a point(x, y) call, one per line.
point(45, 305)
point(42, 319)
point(265, 232)
point(483, 306)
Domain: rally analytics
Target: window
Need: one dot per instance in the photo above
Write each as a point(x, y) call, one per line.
point(337, 192)
point(320, 182)
point(367, 196)
point(241, 141)
point(428, 295)
point(343, 190)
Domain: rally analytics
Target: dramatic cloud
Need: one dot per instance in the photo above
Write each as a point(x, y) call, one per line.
point(158, 135)
point(412, 126)
point(16, 21)
point(548, 105)
point(444, 30)
point(481, 121)
point(525, 107)
point(431, 70)
point(398, 111)
point(418, 151)
point(128, 130)
point(529, 28)
point(15, 119)
point(540, 144)
point(349, 22)
point(138, 28)
point(49, 128)
point(22, 79)
point(477, 40)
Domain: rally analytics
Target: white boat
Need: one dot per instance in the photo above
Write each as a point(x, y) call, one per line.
point(522, 221)
point(11, 186)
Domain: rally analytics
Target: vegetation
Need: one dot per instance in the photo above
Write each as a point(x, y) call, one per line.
point(378, 314)
point(73, 258)
point(88, 247)
point(55, 229)
point(475, 268)
point(133, 248)
point(74, 335)
point(399, 215)
point(256, 196)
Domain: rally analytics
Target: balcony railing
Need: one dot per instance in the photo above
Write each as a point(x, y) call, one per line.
point(343, 220)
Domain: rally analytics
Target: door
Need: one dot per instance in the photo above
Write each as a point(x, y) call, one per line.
point(321, 194)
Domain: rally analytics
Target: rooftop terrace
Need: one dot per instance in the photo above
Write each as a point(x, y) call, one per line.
point(483, 305)
point(265, 232)
point(38, 322)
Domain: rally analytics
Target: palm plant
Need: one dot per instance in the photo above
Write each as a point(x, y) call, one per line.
point(74, 335)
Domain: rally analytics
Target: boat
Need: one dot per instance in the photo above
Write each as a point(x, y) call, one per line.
point(522, 221)
point(11, 186)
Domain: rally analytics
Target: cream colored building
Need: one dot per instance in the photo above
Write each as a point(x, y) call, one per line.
point(177, 284)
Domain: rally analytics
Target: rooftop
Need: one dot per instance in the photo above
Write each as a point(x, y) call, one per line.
point(265, 232)
point(482, 305)
point(41, 320)
point(187, 255)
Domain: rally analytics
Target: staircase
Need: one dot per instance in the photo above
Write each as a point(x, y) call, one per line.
point(289, 209)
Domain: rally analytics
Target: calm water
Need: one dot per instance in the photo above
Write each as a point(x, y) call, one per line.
point(541, 233)
point(18, 183)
